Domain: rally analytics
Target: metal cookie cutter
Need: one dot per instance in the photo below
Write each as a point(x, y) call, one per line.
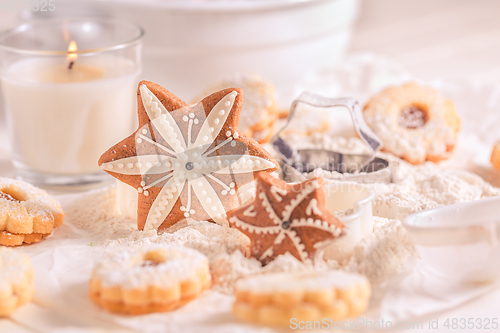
point(364, 168)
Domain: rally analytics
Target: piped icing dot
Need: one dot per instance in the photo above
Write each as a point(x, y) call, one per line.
point(149, 165)
point(167, 164)
point(211, 129)
point(232, 184)
point(196, 121)
point(200, 184)
point(221, 112)
point(232, 192)
point(204, 192)
point(228, 133)
point(110, 166)
point(186, 214)
point(139, 140)
point(192, 211)
point(205, 138)
point(233, 143)
point(144, 131)
point(185, 118)
point(130, 165)
point(216, 121)
point(191, 115)
point(227, 103)
point(143, 183)
point(236, 135)
point(208, 200)
point(146, 193)
point(224, 192)
point(214, 208)
point(120, 165)
point(140, 190)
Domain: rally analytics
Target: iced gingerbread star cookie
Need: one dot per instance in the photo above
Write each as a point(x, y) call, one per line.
point(186, 161)
point(16, 280)
point(146, 279)
point(286, 218)
point(27, 213)
point(274, 299)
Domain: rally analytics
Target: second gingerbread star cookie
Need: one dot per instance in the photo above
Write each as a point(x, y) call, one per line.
point(287, 218)
point(186, 161)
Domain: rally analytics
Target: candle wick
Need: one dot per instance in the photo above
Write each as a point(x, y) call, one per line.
point(71, 63)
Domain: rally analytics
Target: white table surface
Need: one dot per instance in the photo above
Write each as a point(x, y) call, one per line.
point(448, 39)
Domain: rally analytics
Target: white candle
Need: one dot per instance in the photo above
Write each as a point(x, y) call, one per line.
point(63, 119)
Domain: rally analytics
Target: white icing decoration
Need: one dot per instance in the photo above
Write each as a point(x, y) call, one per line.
point(181, 167)
point(278, 193)
point(250, 211)
point(312, 207)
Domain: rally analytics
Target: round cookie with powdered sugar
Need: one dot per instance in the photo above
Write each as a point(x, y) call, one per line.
point(415, 122)
point(27, 213)
point(274, 299)
point(186, 160)
point(146, 279)
point(16, 280)
point(495, 155)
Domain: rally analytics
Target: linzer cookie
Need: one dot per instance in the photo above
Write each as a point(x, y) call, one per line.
point(27, 213)
point(274, 299)
point(16, 280)
point(146, 279)
point(186, 161)
point(259, 113)
point(495, 155)
point(286, 218)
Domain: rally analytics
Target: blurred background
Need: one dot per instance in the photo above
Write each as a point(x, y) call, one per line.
point(190, 45)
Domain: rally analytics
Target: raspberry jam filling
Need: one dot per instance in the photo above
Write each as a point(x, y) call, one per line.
point(412, 117)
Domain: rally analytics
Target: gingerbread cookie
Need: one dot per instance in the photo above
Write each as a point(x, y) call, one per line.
point(414, 122)
point(16, 280)
point(146, 279)
point(186, 161)
point(259, 113)
point(27, 213)
point(274, 299)
point(286, 218)
point(495, 155)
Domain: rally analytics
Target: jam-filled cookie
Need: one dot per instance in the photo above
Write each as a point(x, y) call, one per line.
point(274, 299)
point(27, 213)
point(16, 280)
point(495, 155)
point(259, 113)
point(146, 279)
point(414, 122)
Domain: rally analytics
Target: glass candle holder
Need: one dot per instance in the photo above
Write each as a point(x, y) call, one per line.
point(69, 92)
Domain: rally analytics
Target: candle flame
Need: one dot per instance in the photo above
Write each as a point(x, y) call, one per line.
point(72, 48)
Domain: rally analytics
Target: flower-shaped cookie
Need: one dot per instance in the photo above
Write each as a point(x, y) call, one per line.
point(186, 161)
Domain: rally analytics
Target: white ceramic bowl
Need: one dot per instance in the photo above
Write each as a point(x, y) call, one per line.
point(190, 44)
point(356, 198)
point(459, 241)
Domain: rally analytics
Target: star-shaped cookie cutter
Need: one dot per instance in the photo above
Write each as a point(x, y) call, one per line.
point(364, 168)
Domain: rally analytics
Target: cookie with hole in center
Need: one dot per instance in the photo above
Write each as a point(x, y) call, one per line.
point(27, 213)
point(495, 155)
point(287, 218)
point(415, 122)
point(186, 160)
point(16, 280)
point(146, 279)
